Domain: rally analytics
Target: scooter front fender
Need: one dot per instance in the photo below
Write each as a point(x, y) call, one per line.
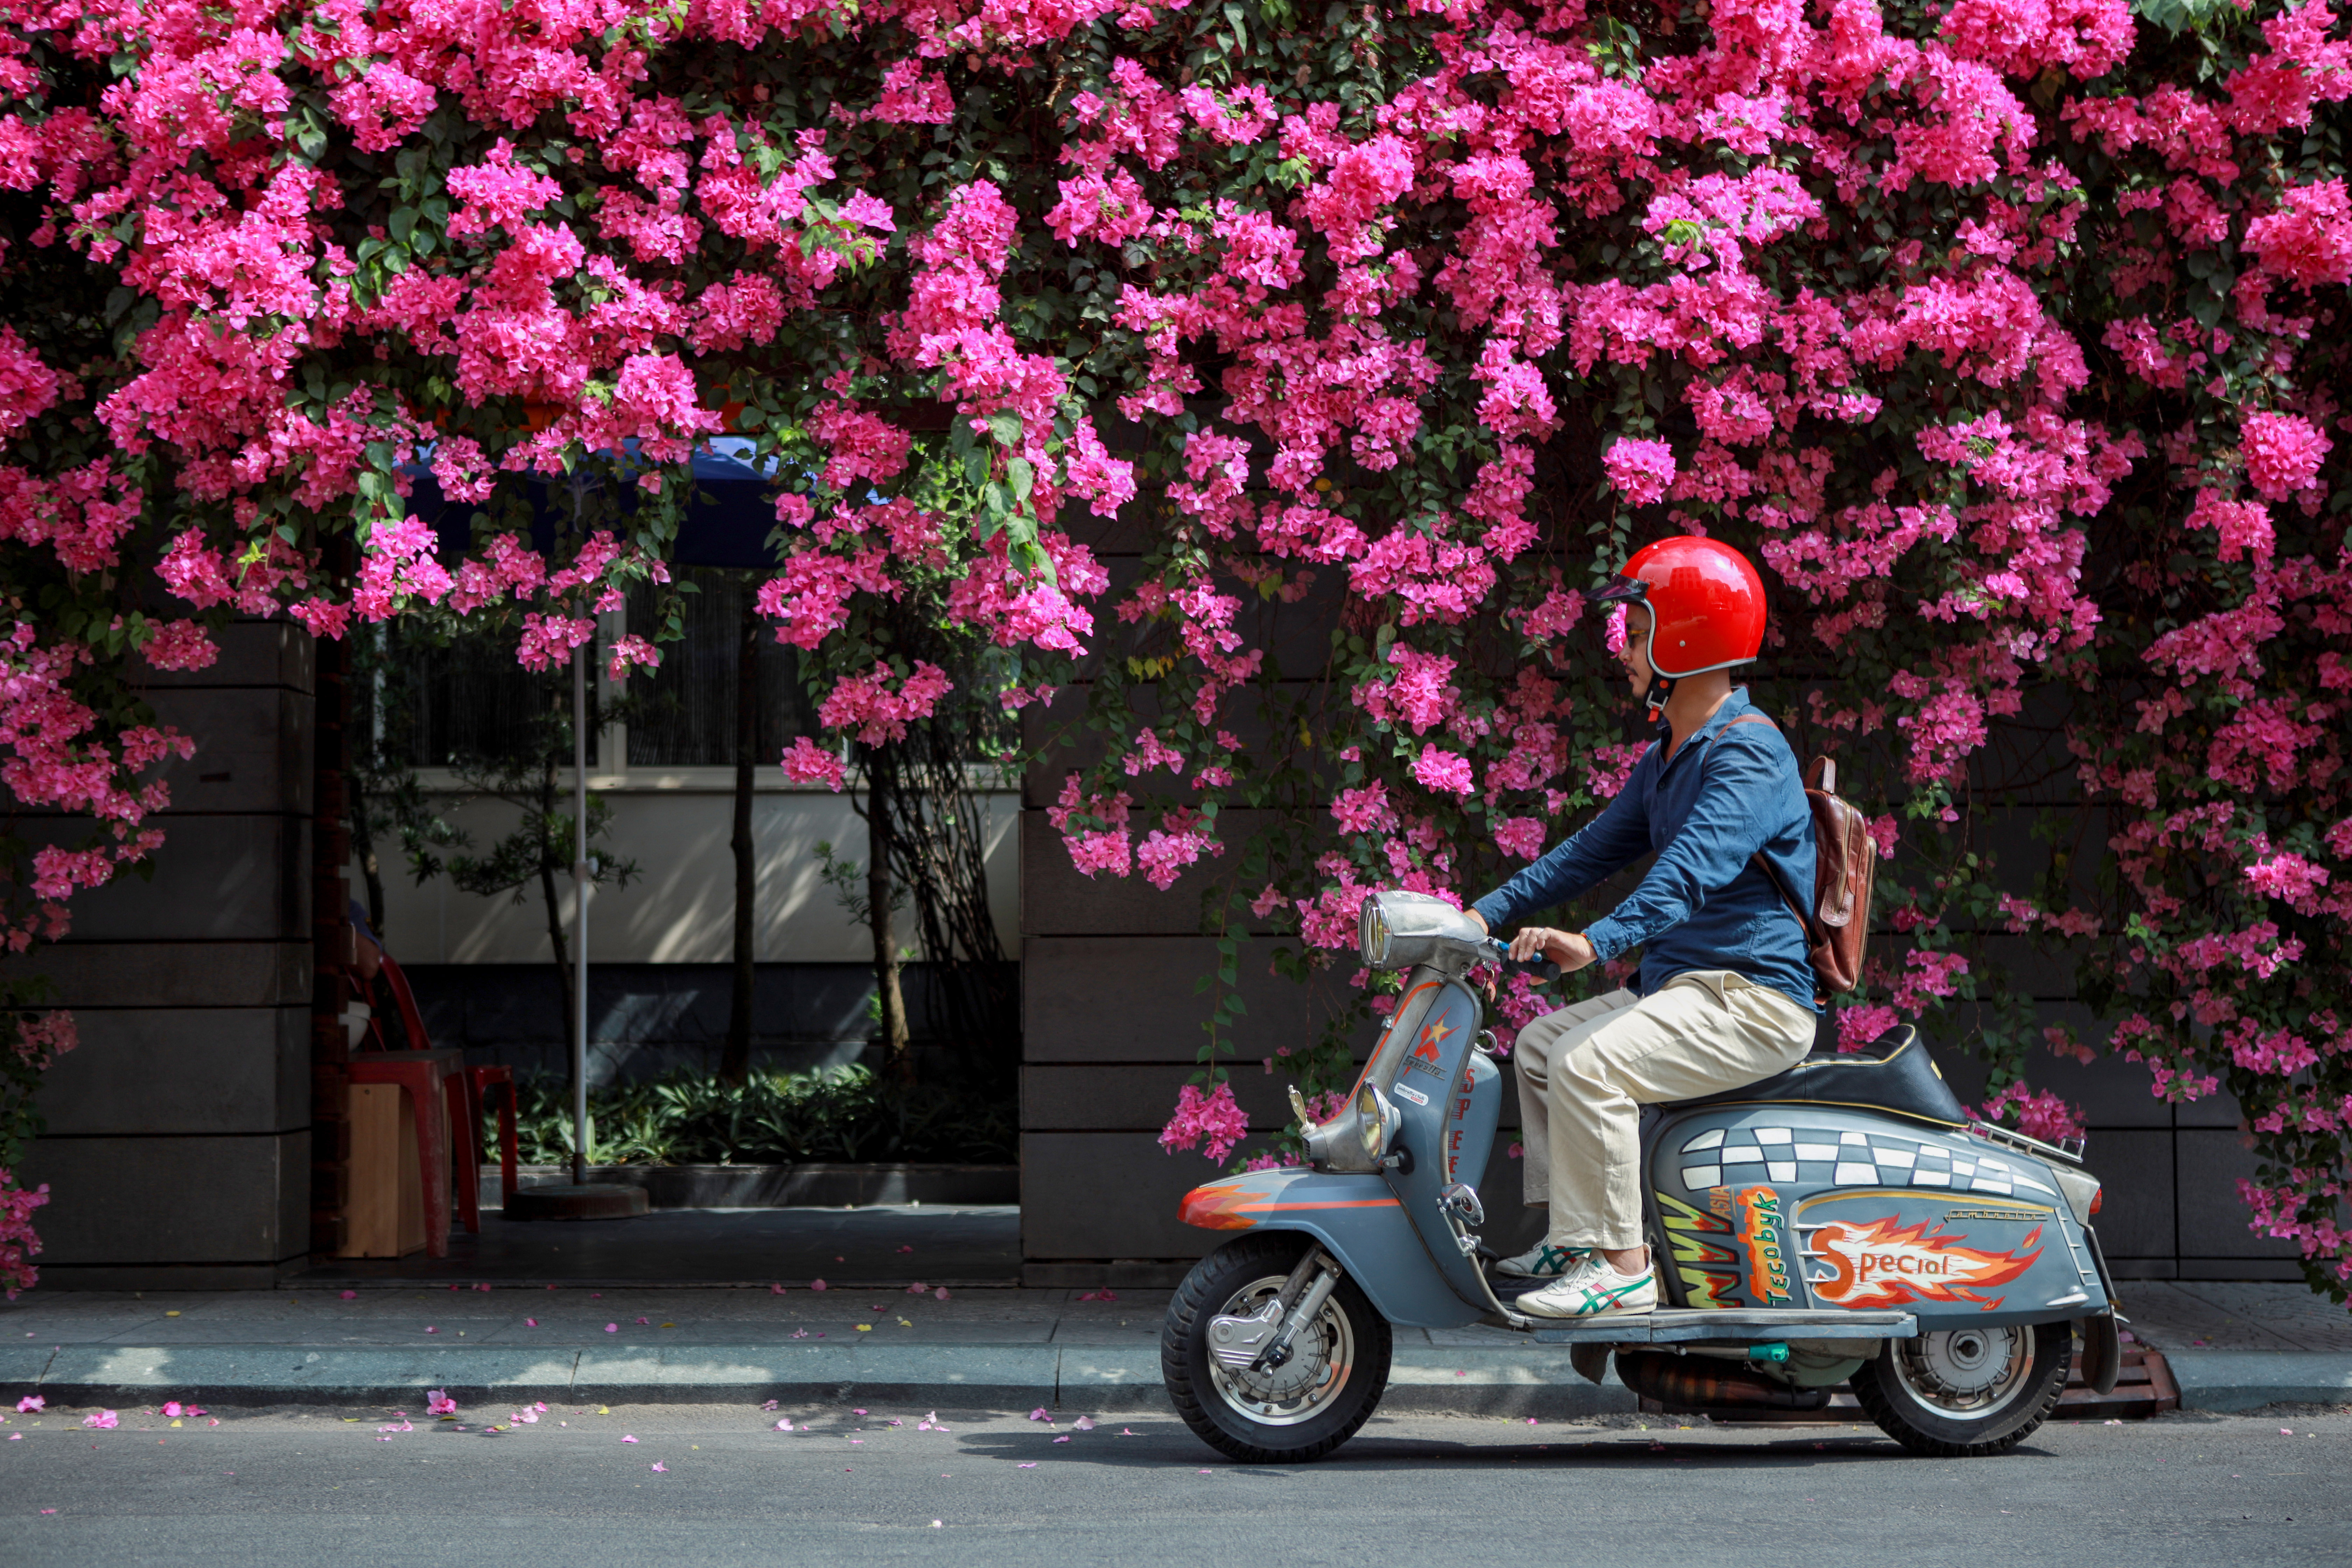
point(1358, 1218)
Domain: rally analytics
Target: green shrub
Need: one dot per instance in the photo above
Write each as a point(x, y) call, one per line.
point(692, 1118)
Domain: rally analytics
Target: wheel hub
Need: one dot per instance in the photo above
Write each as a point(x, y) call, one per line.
point(1304, 1385)
point(1966, 1372)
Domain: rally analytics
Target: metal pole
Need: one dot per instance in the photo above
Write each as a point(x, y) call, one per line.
point(580, 918)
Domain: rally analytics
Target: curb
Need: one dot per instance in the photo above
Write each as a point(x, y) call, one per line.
point(1422, 1379)
point(1427, 1380)
point(2247, 1379)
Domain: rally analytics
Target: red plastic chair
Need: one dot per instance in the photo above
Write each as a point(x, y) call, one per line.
point(434, 1081)
point(471, 1091)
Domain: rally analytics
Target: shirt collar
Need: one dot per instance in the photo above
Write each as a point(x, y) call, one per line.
point(1733, 706)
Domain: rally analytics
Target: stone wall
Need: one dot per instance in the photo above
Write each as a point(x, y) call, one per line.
point(1112, 1021)
point(178, 1146)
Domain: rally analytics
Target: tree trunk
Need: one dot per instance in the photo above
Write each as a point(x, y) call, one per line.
point(552, 898)
point(898, 1066)
point(735, 1061)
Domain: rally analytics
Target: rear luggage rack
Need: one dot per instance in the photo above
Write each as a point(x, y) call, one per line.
point(2071, 1151)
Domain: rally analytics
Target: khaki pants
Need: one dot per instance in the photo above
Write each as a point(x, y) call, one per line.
point(1585, 1071)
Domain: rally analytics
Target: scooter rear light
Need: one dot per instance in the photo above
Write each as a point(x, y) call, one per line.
point(2097, 1199)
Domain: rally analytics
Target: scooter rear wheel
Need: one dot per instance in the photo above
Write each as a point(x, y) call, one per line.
point(1244, 1414)
point(1959, 1393)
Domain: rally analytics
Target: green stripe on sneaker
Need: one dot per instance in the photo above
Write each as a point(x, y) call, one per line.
point(1598, 1300)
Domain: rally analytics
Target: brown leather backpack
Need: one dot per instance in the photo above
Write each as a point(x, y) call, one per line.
point(1845, 857)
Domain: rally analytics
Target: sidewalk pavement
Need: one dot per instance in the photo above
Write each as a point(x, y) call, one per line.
point(2231, 1346)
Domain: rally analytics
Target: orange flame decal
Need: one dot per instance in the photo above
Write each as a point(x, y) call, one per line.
point(1218, 1207)
point(1885, 1263)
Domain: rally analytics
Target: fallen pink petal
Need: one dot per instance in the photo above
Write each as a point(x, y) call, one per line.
point(102, 1420)
point(628, 1439)
point(1084, 1424)
point(351, 1295)
point(659, 1466)
point(817, 1284)
point(1032, 1464)
point(31, 1404)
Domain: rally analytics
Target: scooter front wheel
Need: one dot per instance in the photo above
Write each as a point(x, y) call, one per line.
point(1302, 1410)
point(1957, 1393)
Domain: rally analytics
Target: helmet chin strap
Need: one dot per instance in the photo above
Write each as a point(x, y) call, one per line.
point(1661, 689)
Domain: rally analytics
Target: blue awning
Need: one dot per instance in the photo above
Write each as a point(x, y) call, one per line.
point(726, 523)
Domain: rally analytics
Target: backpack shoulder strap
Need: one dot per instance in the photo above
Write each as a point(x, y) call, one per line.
point(1788, 895)
point(1743, 719)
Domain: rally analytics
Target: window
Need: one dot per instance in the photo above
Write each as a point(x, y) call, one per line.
point(682, 714)
point(469, 699)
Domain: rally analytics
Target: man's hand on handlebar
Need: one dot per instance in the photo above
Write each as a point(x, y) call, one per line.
point(1567, 949)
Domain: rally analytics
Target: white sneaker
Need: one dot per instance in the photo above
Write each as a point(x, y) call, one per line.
point(1591, 1289)
point(1543, 1261)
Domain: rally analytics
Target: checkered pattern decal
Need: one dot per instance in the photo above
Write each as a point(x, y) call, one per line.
point(1785, 1154)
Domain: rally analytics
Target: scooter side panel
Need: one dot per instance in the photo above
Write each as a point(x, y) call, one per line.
point(1470, 1116)
point(1358, 1217)
point(1427, 1092)
point(1802, 1205)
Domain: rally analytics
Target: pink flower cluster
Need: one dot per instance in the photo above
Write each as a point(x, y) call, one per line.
point(1351, 325)
point(2037, 1115)
point(1215, 1119)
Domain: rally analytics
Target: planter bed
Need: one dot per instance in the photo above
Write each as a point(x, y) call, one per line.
point(813, 1185)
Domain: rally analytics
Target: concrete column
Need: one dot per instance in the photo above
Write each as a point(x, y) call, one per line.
point(177, 1149)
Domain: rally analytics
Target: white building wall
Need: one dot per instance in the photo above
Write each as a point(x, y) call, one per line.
point(680, 907)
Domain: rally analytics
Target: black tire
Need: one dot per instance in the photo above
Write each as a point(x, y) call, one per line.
point(1206, 1396)
point(1996, 1404)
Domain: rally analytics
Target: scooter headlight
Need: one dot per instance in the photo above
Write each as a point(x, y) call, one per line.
point(1376, 1121)
point(1372, 935)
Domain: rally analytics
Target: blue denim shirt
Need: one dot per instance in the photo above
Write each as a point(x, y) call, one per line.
point(1726, 793)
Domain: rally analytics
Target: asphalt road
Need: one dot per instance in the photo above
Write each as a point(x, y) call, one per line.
point(709, 1485)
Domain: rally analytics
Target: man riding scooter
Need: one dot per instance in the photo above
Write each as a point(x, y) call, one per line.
point(1725, 996)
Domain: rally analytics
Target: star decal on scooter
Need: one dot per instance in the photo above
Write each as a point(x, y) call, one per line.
point(1434, 1036)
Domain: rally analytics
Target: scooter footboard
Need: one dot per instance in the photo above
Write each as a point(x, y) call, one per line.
point(1357, 1218)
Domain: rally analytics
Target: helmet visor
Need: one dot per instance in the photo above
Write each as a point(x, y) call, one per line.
point(1618, 590)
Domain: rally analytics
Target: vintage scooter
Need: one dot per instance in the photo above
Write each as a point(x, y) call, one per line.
point(1843, 1223)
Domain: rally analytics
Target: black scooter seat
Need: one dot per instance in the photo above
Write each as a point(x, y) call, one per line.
point(1893, 1073)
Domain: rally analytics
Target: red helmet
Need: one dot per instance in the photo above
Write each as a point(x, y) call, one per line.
point(1707, 603)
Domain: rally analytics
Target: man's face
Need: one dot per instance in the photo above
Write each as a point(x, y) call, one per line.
point(1635, 655)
